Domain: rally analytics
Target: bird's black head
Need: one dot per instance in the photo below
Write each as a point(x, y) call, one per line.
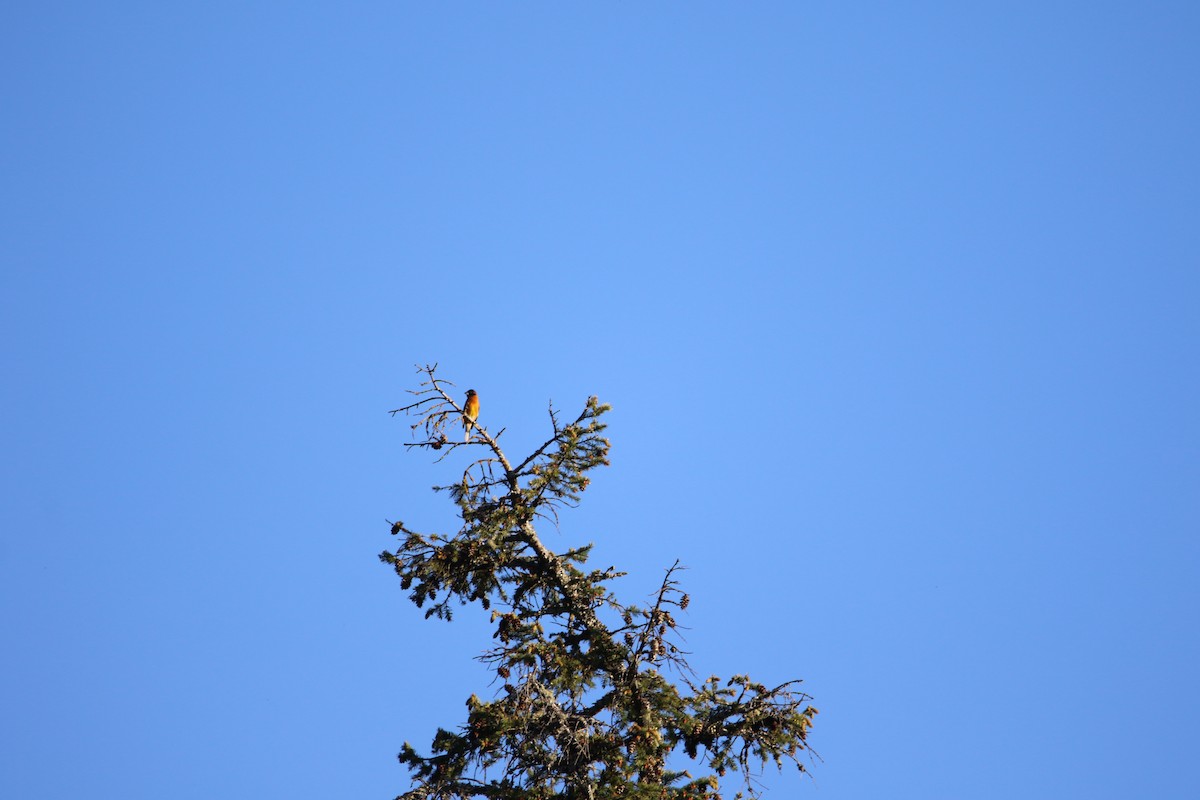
point(471, 392)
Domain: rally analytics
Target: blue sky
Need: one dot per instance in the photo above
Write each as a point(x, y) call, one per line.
point(896, 304)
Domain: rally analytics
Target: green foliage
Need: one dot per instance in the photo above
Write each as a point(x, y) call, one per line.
point(583, 709)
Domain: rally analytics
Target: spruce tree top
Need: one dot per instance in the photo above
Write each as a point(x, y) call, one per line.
point(585, 710)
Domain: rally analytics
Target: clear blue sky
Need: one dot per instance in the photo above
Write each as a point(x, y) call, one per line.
point(897, 304)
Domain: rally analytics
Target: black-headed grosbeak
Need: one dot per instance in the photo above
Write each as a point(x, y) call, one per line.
point(470, 412)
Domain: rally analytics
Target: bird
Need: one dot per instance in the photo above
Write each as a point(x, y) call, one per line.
point(470, 412)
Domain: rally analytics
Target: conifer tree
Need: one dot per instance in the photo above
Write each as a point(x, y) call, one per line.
point(585, 709)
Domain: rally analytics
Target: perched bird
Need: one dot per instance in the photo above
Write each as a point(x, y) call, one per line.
point(470, 412)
